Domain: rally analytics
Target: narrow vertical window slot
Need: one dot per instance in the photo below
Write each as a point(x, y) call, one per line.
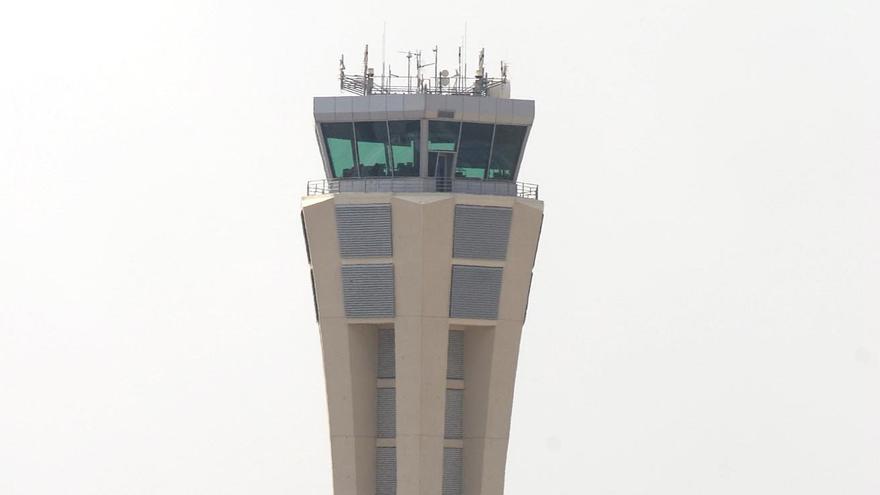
point(386, 414)
point(454, 415)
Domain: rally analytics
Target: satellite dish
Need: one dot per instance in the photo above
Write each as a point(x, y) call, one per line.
point(444, 77)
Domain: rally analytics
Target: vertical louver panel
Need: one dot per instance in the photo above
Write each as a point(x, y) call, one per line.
point(364, 230)
point(368, 291)
point(454, 414)
point(385, 413)
point(455, 357)
point(481, 232)
point(386, 471)
point(452, 472)
point(385, 365)
point(475, 292)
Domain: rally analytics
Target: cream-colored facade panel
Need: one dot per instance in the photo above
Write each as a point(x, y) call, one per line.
point(408, 107)
point(378, 110)
point(455, 104)
point(470, 111)
point(360, 109)
point(414, 106)
point(504, 111)
point(320, 221)
point(433, 105)
point(524, 232)
point(344, 108)
point(488, 110)
point(422, 264)
point(324, 109)
point(523, 112)
point(394, 107)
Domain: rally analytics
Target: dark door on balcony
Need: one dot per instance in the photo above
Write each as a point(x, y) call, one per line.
point(444, 169)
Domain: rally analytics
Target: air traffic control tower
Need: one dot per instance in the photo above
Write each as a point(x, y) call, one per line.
point(421, 244)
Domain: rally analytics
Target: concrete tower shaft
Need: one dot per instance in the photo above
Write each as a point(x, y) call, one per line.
point(421, 245)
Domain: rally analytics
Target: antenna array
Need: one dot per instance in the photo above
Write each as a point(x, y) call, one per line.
point(442, 81)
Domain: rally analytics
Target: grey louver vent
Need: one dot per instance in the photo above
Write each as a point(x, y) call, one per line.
point(385, 413)
point(385, 365)
point(455, 357)
point(368, 291)
point(475, 292)
point(386, 471)
point(481, 232)
point(454, 413)
point(452, 472)
point(364, 230)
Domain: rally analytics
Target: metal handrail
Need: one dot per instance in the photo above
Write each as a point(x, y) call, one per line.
point(422, 185)
point(403, 85)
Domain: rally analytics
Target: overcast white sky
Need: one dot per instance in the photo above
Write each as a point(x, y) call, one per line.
point(704, 316)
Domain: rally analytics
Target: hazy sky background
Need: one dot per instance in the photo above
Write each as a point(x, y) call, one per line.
point(705, 314)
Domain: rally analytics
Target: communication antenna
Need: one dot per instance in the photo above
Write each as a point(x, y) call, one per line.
point(478, 84)
point(465, 54)
point(436, 78)
point(419, 71)
point(409, 55)
point(458, 71)
point(419, 78)
point(368, 72)
point(341, 71)
point(480, 79)
point(366, 58)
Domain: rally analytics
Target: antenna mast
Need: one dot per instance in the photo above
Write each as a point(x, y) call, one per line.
point(383, 54)
point(368, 72)
point(464, 74)
point(408, 74)
point(458, 72)
point(436, 77)
point(481, 84)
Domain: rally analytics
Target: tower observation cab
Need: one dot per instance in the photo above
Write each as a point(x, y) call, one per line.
point(421, 244)
point(440, 134)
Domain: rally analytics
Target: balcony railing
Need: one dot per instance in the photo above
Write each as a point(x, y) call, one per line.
point(422, 185)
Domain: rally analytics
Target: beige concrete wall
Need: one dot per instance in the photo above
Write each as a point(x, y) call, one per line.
point(422, 229)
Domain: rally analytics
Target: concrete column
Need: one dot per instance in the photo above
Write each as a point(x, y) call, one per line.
point(422, 235)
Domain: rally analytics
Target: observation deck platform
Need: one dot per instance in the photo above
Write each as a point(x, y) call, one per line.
point(422, 185)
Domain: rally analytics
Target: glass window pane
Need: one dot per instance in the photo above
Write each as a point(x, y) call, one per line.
point(372, 145)
point(506, 150)
point(339, 142)
point(473, 154)
point(405, 147)
point(442, 135)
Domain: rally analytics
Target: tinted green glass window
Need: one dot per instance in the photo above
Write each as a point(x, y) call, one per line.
point(506, 150)
point(442, 135)
point(339, 142)
point(473, 153)
point(404, 138)
point(372, 148)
